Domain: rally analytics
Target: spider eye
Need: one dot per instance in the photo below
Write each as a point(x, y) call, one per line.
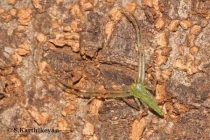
point(139, 86)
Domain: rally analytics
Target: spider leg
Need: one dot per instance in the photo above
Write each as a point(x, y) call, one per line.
point(137, 101)
point(93, 92)
point(141, 64)
point(130, 104)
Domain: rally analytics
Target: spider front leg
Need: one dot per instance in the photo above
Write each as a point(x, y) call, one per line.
point(141, 64)
point(93, 93)
point(141, 59)
point(141, 72)
point(141, 67)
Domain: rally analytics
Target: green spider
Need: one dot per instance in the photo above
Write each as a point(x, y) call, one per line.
point(137, 89)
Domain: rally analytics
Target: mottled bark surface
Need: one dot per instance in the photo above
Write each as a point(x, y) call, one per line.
point(89, 44)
